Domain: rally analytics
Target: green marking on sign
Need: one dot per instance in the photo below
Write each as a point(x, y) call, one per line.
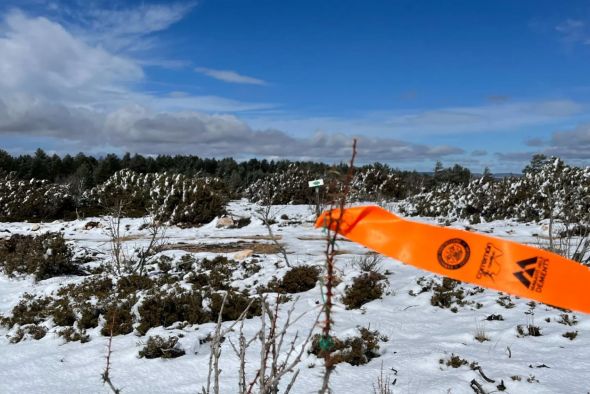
point(316, 183)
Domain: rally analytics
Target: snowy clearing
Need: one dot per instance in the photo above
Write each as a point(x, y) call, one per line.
point(419, 335)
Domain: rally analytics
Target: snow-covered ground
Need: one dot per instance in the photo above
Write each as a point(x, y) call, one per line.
point(419, 334)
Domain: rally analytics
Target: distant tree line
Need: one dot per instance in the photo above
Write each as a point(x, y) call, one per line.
point(191, 190)
point(88, 171)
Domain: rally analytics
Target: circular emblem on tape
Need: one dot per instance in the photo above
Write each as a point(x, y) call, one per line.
point(453, 254)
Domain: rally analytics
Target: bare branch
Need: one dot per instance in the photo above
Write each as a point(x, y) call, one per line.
point(106, 378)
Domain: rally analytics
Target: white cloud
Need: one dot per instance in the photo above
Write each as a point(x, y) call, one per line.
point(446, 121)
point(128, 29)
point(204, 103)
point(45, 62)
point(138, 129)
point(141, 20)
point(571, 144)
point(574, 31)
point(574, 144)
point(56, 85)
point(41, 58)
point(229, 76)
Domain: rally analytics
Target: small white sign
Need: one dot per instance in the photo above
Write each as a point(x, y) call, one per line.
point(316, 183)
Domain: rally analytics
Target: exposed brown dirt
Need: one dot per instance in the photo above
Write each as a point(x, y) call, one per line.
point(252, 237)
point(230, 247)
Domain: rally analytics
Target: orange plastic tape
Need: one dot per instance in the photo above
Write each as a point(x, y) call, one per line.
point(469, 257)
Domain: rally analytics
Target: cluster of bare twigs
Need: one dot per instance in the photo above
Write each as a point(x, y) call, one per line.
point(383, 383)
point(268, 216)
point(134, 263)
point(277, 357)
point(570, 239)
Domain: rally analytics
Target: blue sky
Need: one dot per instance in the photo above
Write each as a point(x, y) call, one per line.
point(480, 83)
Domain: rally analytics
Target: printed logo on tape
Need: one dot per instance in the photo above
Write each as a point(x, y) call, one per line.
point(490, 263)
point(533, 273)
point(453, 254)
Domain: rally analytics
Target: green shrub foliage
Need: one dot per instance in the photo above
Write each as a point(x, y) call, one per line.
point(365, 288)
point(44, 256)
point(299, 279)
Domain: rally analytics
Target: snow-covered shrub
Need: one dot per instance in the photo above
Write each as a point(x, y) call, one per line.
point(369, 183)
point(164, 308)
point(34, 200)
point(158, 347)
point(285, 187)
point(357, 350)
point(174, 198)
point(44, 256)
point(70, 334)
point(550, 189)
point(375, 183)
point(29, 310)
point(32, 331)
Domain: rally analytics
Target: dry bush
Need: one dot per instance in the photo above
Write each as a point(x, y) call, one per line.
point(566, 320)
point(118, 319)
point(29, 310)
point(70, 334)
point(365, 288)
point(220, 271)
point(480, 333)
point(356, 350)
point(447, 293)
point(62, 313)
point(453, 361)
point(526, 330)
point(299, 279)
point(130, 284)
point(235, 304)
point(44, 256)
point(158, 347)
point(570, 238)
point(383, 383)
point(32, 331)
point(505, 301)
point(89, 315)
point(99, 287)
point(571, 335)
point(370, 262)
point(123, 260)
point(277, 357)
point(164, 309)
point(268, 217)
